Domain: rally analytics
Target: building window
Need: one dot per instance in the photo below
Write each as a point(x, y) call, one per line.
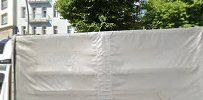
point(55, 12)
point(23, 30)
point(69, 29)
point(34, 30)
point(44, 30)
point(4, 19)
point(33, 13)
point(44, 12)
point(55, 30)
point(23, 10)
point(4, 4)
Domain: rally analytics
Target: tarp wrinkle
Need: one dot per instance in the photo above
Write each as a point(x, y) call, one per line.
point(122, 65)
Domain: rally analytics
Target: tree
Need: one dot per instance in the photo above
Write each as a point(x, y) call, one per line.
point(173, 13)
point(195, 12)
point(99, 15)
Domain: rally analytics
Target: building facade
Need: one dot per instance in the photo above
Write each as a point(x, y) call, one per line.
point(7, 15)
point(44, 19)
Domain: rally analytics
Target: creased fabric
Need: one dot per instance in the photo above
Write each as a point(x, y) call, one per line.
point(115, 65)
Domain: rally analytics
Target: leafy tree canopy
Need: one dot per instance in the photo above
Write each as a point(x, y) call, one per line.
point(173, 13)
point(98, 15)
point(105, 15)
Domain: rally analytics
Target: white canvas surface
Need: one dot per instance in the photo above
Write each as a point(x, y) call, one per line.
point(123, 65)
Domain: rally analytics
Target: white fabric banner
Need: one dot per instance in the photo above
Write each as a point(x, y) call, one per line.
point(123, 65)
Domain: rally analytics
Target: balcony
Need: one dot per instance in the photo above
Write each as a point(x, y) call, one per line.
point(39, 18)
point(39, 1)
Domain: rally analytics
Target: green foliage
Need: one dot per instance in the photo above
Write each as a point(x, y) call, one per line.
point(105, 15)
point(98, 15)
point(195, 10)
point(173, 13)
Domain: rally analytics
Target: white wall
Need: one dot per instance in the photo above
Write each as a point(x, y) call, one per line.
point(9, 11)
point(60, 23)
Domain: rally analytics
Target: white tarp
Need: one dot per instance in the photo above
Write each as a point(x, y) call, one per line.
point(124, 65)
